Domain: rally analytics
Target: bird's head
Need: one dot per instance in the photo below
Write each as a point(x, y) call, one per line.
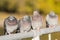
point(35, 12)
point(26, 18)
point(12, 20)
point(52, 14)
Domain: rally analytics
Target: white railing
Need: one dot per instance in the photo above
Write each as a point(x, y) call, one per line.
point(29, 34)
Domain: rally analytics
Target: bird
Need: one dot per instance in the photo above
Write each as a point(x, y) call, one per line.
point(25, 24)
point(51, 21)
point(10, 24)
point(36, 21)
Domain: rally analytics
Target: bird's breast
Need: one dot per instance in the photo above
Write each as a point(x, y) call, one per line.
point(11, 28)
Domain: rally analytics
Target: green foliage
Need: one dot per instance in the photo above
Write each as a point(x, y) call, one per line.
point(4, 6)
point(29, 5)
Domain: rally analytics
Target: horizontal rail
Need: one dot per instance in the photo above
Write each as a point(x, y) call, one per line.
point(30, 34)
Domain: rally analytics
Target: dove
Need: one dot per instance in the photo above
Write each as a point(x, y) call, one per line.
point(10, 24)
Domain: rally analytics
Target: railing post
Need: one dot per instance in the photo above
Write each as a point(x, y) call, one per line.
point(49, 36)
point(36, 38)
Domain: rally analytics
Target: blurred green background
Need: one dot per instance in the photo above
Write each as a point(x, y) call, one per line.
point(19, 8)
point(27, 6)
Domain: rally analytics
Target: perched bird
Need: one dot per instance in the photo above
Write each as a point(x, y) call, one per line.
point(36, 20)
point(25, 24)
point(10, 24)
point(51, 21)
point(36, 24)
